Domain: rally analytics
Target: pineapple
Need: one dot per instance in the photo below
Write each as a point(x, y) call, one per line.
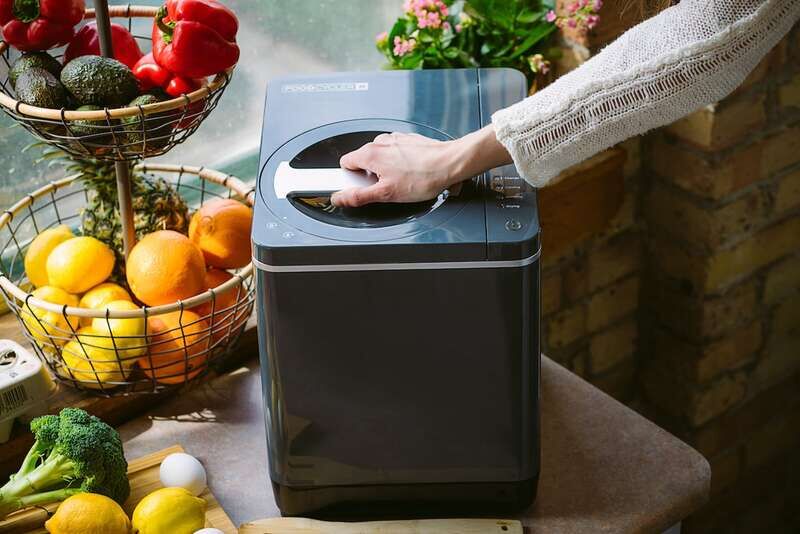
point(156, 203)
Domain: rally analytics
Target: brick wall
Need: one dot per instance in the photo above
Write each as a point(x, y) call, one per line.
point(721, 296)
point(671, 279)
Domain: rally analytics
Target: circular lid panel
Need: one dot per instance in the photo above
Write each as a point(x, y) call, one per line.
point(310, 210)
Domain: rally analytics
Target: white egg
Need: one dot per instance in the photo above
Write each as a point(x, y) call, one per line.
point(181, 470)
point(209, 531)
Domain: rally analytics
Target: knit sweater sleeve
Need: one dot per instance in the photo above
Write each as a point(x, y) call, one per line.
point(688, 56)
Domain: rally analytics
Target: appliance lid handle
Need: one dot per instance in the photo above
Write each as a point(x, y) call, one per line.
point(291, 181)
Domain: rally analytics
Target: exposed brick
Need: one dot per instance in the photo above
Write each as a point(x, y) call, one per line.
point(789, 93)
point(618, 382)
point(728, 353)
point(709, 274)
point(624, 219)
point(551, 292)
point(576, 280)
point(706, 177)
point(787, 196)
point(581, 200)
point(612, 303)
point(783, 280)
point(746, 419)
point(613, 346)
point(700, 318)
point(619, 257)
point(759, 250)
point(725, 468)
point(566, 326)
point(578, 364)
point(777, 436)
point(718, 126)
point(702, 364)
point(782, 355)
point(707, 403)
point(633, 149)
point(683, 218)
point(781, 150)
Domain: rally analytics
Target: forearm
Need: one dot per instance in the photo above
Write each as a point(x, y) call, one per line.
point(476, 153)
point(688, 56)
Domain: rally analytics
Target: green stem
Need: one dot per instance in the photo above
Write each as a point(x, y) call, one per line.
point(167, 28)
point(26, 10)
point(31, 459)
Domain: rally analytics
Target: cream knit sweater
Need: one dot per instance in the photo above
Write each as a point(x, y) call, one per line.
point(688, 56)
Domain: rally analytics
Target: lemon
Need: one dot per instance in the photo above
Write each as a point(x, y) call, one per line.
point(38, 251)
point(46, 326)
point(88, 513)
point(101, 295)
point(91, 364)
point(169, 511)
point(128, 333)
point(79, 264)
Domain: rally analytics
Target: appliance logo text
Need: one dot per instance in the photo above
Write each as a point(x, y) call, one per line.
point(332, 87)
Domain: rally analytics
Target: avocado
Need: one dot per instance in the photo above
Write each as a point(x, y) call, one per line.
point(151, 133)
point(99, 81)
point(96, 132)
point(39, 88)
point(33, 59)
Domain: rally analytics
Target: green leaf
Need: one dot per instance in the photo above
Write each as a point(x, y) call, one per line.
point(411, 61)
point(451, 52)
point(527, 16)
point(538, 33)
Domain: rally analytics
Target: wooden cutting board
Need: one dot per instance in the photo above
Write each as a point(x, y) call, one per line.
point(143, 475)
point(299, 525)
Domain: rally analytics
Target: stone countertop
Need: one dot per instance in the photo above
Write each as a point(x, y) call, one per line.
point(605, 468)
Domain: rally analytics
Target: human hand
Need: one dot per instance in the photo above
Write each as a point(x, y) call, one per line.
point(413, 168)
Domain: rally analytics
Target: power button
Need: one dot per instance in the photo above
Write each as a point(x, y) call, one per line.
point(513, 225)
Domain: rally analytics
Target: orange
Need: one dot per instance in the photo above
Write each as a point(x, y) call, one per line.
point(178, 347)
point(221, 228)
point(165, 267)
point(224, 308)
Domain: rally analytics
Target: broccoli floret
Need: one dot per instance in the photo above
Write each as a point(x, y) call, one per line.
point(73, 452)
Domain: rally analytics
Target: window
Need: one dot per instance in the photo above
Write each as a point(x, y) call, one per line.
point(277, 37)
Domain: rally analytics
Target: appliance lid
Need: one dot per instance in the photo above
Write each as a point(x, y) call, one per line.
point(301, 227)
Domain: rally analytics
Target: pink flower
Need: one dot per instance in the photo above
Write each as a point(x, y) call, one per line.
point(591, 21)
point(572, 23)
point(583, 3)
point(403, 46)
point(598, 5)
point(382, 37)
point(551, 16)
point(459, 27)
point(573, 7)
point(446, 26)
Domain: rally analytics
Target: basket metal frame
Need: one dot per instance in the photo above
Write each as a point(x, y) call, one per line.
point(220, 328)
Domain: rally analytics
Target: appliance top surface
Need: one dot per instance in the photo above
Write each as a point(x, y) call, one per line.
point(311, 121)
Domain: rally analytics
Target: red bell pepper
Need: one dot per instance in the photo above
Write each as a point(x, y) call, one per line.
point(151, 75)
point(195, 38)
point(30, 25)
point(87, 43)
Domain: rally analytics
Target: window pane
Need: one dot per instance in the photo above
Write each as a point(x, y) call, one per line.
point(277, 37)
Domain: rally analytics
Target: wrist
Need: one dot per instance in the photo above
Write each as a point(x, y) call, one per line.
point(476, 153)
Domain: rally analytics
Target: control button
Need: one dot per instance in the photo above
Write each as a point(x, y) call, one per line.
point(288, 235)
point(509, 205)
point(513, 225)
point(272, 225)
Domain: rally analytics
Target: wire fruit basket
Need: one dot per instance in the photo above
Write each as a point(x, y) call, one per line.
point(128, 133)
point(180, 342)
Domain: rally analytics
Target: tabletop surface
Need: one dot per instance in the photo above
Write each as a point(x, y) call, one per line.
point(604, 467)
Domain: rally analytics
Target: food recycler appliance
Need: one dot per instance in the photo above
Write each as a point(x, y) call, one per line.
point(399, 342)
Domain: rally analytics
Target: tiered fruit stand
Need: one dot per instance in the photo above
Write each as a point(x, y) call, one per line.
point(121, 135)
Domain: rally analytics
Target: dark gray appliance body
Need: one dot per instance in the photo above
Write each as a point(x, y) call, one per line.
point(399, 344)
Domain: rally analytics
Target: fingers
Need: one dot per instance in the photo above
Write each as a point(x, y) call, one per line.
point(360, 159)
point(361, 196)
